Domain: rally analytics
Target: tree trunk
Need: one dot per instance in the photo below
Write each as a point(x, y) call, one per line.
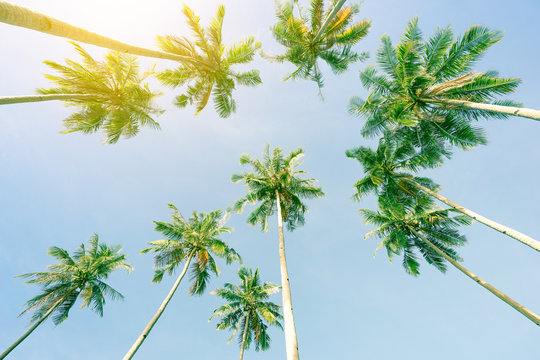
point(509, 110)
point(523, 310)
point(244, 337)
point(4, 100)
point(525, 239)
point(291, 342)
point(36, 324)
point(329, 18)
point(152, 322)
point(20, 16)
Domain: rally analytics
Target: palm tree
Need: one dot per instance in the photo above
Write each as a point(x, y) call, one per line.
point(78, 275)
point(109, 93)
point(210, 70)
point(194, 239)
point(427, 80)
point(247, 310)
point(216, 77)
point(390, 170)
point(417, 226)
point(277, 186)
point(326, 34)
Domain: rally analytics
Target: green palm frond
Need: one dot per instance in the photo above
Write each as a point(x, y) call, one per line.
point(276, 173)
point(195, 239)
point(416, 77)
point(319, 34)
point(76, 276)
point(209, 72)
point(247, 311)
point(119, 104)
point(400, 220)
point(389, 170)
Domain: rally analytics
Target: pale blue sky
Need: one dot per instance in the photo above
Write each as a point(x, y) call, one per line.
point(59, 189)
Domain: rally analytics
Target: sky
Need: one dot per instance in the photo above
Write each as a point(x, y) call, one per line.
point(57, 190)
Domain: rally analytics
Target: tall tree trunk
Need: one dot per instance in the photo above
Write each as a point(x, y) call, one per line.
point(525, 239)
point(244, 336)
point(29, 331)
point(4, 100)
point(291, 342)
point(20, 16)
point(153, 321)
point(509, 110)
point(523, 310)
point(328, 19)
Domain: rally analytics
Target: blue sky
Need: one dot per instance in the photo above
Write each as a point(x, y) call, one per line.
point(59, 189)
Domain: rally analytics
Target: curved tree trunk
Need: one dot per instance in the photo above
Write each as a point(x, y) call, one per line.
point(509, 110)
point(29, 331)
point(291, 342)
point(4, 100)
point(328, 19)
point(522, 309)
point(243, 344)
point(525, 239)
point(20, 16)
point(153, 321)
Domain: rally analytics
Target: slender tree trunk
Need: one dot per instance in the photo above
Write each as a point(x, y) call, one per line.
point(29, 331)
point(244, 337)
point(4, 100)
point(329, 18)
point(509, 110)
point(525, 239)
point(291, 342)
point(523, 310)
point(20, 16)
point(153, 321)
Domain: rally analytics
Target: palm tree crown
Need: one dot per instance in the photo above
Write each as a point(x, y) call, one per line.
point(324, 34)
point(391, 167)
point(80, 275)
point(276, 176)
point(247, 312)
point(119, 103)
point(195, 238)
point(210, 71)
point(418, 75)
point(399, 221)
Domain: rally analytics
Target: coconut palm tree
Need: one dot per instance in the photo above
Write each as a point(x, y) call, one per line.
point(194, 239)
point(247, 313)
point(110, 94)
point(275, 184)
point(427, 80)
point(407, 228)
point(216, 78)
point(320, 33)
point(75, 276)
point(391, 170)
point(206, 62)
